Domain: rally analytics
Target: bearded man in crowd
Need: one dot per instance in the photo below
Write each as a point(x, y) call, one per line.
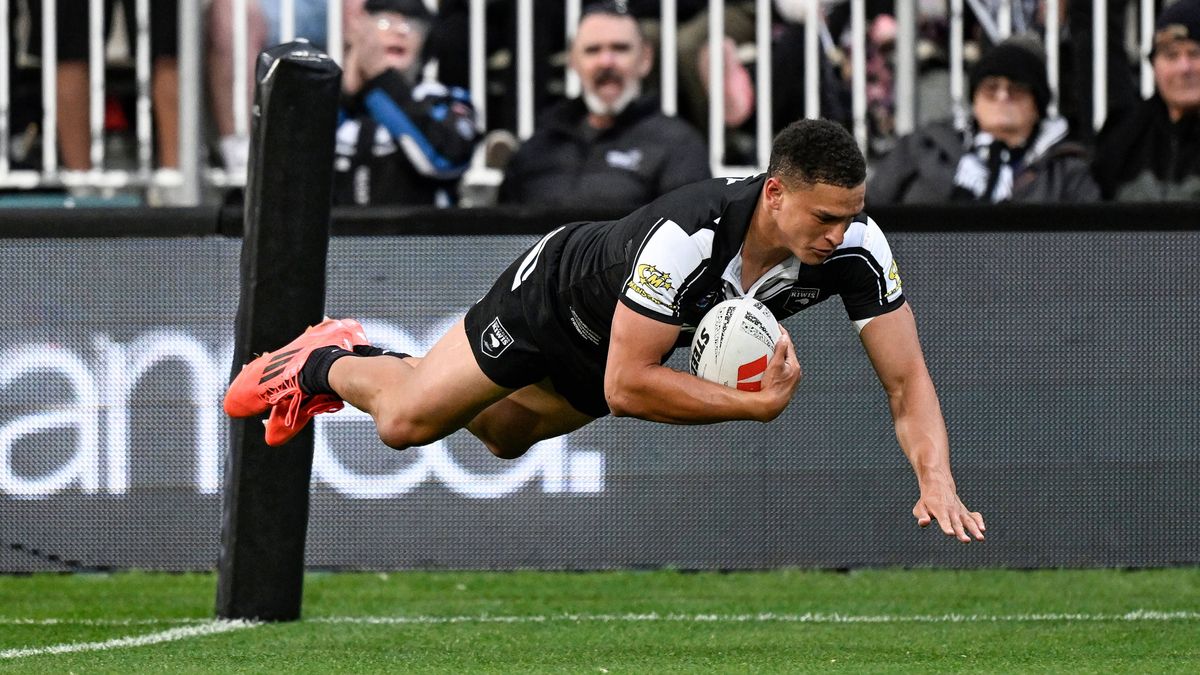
point(612, 146)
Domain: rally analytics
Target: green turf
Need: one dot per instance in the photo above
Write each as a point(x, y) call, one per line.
point(656, 622)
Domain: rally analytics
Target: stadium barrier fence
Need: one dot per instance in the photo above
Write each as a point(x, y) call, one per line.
point(29, 109)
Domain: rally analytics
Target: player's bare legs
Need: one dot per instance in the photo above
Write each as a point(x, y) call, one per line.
point(416, 405)
point(413, 400)
point(530, 414)
point(416, 401)
point(512, 425)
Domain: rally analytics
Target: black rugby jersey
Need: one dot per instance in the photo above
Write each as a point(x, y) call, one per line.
point(675, 258)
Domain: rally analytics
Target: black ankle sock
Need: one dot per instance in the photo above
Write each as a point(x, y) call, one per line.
point(314, 376)
point(372, 350)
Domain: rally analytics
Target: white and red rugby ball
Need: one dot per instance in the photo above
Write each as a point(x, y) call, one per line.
point(734, 342)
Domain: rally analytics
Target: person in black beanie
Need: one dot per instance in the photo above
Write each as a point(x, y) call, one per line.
point(1010, 151)
point(1150, 150)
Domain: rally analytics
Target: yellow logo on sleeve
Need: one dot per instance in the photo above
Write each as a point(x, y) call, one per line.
point(894, 275)
point(651, 276)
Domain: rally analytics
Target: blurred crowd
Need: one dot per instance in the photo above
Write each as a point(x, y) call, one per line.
point(409, 134)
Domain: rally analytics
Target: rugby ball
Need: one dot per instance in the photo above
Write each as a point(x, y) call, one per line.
point(733, 344)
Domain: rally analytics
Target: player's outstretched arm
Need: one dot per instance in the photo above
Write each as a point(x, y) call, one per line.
point(895, 350)
point(636, 384)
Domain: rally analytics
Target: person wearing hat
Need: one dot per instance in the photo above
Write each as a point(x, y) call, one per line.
point(402, 140)
point(1010, 151)
point(1150, 150)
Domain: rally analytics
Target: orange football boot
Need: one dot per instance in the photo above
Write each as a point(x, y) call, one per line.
point(273, 378)
point(290, 415)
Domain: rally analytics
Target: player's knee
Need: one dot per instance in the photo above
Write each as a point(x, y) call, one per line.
point(401, 432)
point(506, 450)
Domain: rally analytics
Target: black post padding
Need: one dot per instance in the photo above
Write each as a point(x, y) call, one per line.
point(289, 191)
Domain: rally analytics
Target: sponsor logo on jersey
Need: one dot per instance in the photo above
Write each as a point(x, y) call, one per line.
point(633, 286)
point(894, 275)
point(701, 343)
point(801, 297)
point(651, 283)
point(654, 278)
point(495, 339)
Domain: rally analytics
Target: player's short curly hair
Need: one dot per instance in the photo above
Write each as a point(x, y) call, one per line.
point(817, 151)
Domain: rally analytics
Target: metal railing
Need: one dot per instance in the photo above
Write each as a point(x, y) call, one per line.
point(191, 178)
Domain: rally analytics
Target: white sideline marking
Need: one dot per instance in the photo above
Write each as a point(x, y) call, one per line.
point(209, 628)
point(766, 617)
point(17, 621)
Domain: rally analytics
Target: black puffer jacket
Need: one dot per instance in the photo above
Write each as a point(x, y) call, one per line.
point(644, 154)
point(1142, 156)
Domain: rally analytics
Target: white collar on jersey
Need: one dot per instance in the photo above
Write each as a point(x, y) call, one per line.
point(766, 285)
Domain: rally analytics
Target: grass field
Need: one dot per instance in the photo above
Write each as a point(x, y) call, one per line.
point(1085, 621)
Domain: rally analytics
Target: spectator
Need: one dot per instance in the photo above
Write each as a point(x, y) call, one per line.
point(72, 79)
point(263, 29)
point(879, 60)
point(611, 146)
point(692, 44)
point(401, 142)
point(1010, 152)
point(788, 58)
point(1150, 150)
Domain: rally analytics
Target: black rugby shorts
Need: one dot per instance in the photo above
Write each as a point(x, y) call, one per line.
point(518, 340)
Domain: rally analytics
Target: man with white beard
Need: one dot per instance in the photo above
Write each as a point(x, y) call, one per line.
point(612, 146)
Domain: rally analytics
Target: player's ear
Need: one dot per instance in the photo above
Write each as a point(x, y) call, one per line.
point(773, 190)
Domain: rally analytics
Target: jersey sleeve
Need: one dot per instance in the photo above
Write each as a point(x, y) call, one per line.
point(666, 261)
point(865, 273)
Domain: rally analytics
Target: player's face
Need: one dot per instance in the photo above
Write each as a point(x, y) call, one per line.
point(1005, 108)
point(401, 38)
point(812, 219)
point(611, 59)
point(1177, 75)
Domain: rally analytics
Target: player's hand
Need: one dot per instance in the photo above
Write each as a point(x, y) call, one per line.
point(939, 501)
point(781, 377)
